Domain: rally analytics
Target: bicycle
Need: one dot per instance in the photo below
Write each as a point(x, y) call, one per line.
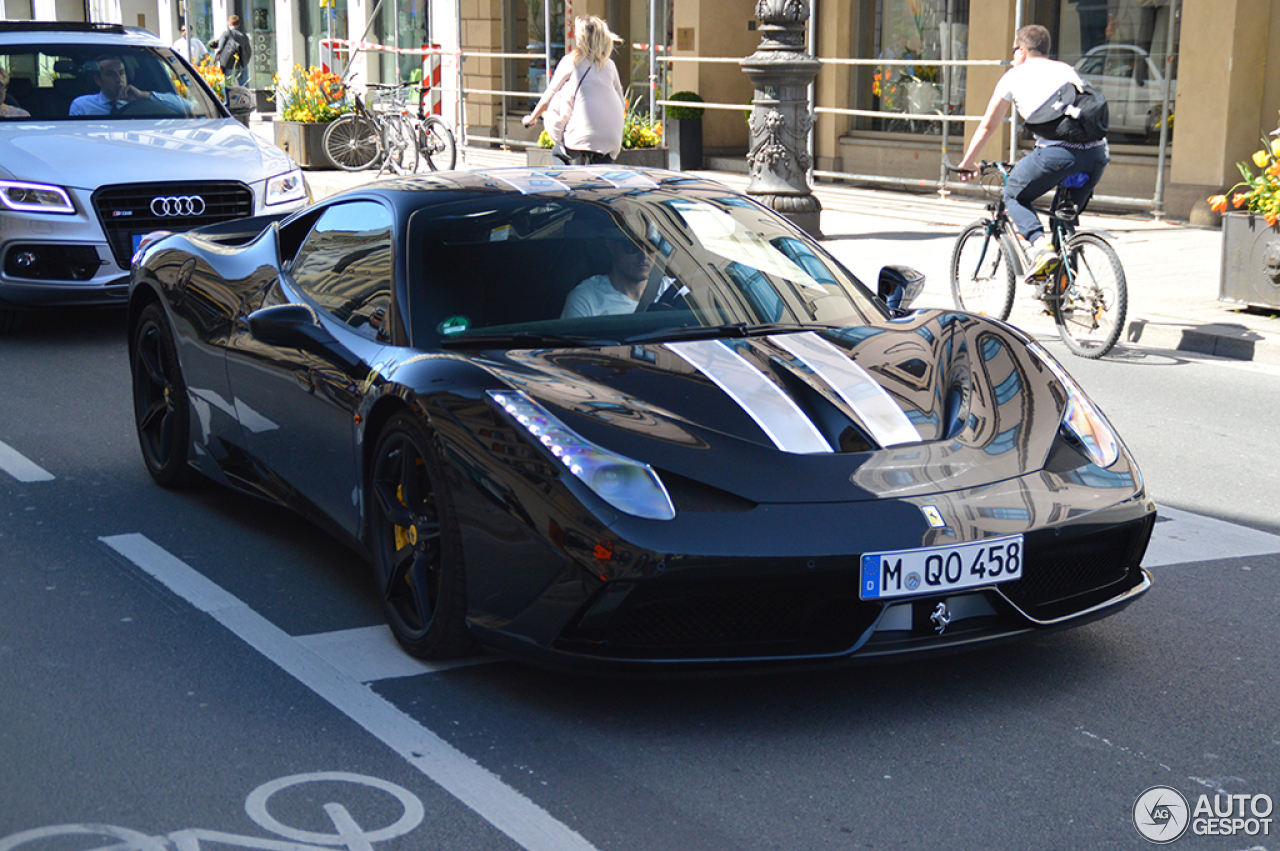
point(1086, 293)
point(381, 133)
point(435, 140)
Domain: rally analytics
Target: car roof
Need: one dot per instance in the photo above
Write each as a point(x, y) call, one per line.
point(580, 181)
point(44, 32)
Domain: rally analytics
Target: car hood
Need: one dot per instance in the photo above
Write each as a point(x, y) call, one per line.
point(73, 154)
point(935, 401)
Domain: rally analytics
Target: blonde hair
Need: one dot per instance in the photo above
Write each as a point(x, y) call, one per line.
point(4, 77)
point(592, 40)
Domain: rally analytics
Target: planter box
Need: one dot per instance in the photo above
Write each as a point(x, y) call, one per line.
point(640, 157)
point(684, 143)
point(304, 141)
point(1250, 261)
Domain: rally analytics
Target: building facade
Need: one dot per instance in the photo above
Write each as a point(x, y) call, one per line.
point(901, 84)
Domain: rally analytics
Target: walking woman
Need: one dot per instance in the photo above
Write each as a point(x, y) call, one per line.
point(583, 105)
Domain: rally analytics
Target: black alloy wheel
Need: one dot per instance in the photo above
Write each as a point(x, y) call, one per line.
point(161, 412)
point(417, 548)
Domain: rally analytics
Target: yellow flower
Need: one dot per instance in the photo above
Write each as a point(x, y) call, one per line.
point(1261, 158)
point(1275, 148)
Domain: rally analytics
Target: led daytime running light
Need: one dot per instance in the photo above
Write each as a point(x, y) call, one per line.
point(627, 485)
point(35, 197)
point(284, 188)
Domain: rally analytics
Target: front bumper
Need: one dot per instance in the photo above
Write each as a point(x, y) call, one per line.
point(702, 613)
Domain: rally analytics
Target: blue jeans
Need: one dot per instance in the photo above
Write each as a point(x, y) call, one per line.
point(1043, 169)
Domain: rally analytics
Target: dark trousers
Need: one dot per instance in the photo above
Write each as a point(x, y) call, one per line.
point(1042, 170)
point(587, 157)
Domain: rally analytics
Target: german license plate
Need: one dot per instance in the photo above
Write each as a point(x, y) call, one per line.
point(930, 570)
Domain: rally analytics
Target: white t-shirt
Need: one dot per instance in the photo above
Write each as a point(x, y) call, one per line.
point(1030, 85)
point(597, 296)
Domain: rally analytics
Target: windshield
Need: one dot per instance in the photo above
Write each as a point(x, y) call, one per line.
point(52, 82)
point(645, 265)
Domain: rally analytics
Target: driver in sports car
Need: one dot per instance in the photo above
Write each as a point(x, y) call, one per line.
point(622, 290)
point(117, 93)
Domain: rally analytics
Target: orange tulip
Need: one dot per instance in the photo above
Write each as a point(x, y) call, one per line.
point(1218, 203)
point(1272, 218)
point(1238, 200)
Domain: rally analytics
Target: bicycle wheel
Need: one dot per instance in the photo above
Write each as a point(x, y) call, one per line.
point(436, 144)
point(983, 277)
point(1090, 313)
point(402, 148)
point(351, 143)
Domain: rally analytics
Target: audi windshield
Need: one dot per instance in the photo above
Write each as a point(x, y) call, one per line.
point(55, 82)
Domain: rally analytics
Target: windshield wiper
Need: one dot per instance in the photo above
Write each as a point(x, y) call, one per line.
point(732, 329)
point(521, 340)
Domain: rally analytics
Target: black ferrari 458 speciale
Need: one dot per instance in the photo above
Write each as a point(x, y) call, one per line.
point(630, 418)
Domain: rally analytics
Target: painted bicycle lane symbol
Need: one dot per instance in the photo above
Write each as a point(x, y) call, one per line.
point(347, 833)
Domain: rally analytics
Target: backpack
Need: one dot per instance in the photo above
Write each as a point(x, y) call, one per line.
point(228, 52)
point(1071, 115)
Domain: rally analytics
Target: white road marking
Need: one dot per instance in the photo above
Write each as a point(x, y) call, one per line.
point(368, 654)
point(527, 824)
point(1185, 537)
point(21, 468)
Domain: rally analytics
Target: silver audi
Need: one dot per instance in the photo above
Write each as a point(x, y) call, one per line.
point(107, 135)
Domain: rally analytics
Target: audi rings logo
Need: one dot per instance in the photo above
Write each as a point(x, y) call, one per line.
point(177, 205)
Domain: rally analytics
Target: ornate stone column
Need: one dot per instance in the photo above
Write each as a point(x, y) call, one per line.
point(781, 71)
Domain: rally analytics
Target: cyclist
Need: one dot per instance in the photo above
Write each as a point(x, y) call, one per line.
point(1029, 84)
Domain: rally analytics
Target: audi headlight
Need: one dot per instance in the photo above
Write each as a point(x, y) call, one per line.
point(35, 197)
point(627, 485)
point(284, 188)
point(1081, 417)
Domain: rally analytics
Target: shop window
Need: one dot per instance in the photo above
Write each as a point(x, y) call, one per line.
point(915, 36)
point(404, 26)
point(1122, 47)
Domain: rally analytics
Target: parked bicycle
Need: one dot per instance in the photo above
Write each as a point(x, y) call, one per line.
point(386, 133)
point(436, 144)
point(1085, 293)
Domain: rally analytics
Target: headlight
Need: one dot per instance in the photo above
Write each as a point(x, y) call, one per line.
point(627, 485)
point(284, 188)
point(35, 197)
point(1081, 418)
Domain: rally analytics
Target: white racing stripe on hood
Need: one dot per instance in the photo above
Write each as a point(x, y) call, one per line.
point(773, 410)
point(883, 417)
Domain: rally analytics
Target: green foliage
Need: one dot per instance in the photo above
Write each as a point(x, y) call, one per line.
point(677, 113)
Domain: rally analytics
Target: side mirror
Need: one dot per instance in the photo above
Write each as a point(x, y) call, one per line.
point(899, 287)
point(292, 326)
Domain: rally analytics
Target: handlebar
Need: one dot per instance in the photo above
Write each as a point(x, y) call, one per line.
point(984, 167)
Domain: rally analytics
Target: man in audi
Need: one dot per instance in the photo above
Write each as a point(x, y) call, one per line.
point(116, 94)
point(123, 139)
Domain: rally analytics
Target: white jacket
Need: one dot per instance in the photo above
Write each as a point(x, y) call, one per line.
point(585, 112)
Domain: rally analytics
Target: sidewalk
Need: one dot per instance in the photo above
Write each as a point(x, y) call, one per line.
point(1172, 270)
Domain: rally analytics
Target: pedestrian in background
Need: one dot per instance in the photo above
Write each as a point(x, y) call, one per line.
point(232, 51)
point(197, 52)
point(583, 104)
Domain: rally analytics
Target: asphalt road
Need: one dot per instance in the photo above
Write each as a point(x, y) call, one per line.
point(183, 671)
